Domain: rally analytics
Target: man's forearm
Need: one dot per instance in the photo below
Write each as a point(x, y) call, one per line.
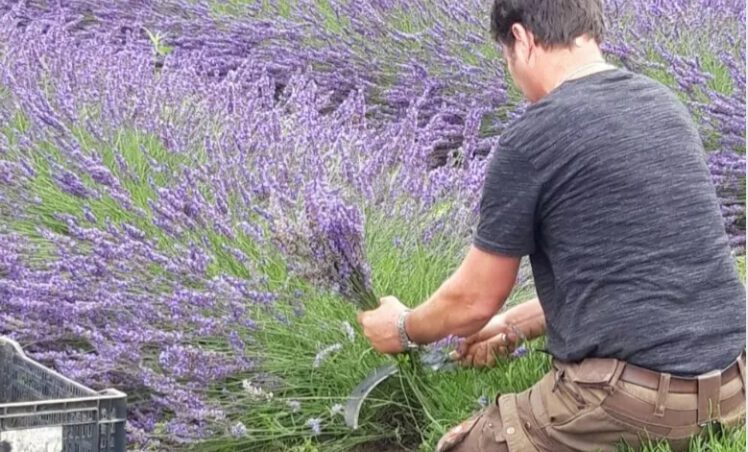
point(454, 309)
point(528, 317)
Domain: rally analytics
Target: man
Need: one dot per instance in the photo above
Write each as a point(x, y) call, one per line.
point(603, 184)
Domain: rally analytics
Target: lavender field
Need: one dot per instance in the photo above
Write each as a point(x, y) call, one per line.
point(188, 189)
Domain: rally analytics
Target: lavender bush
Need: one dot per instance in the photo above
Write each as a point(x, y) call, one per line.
point(192, 193)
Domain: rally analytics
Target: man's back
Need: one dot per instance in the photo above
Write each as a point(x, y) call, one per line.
point(629, 251)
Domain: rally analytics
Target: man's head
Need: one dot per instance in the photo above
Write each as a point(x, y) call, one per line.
point(541, 38)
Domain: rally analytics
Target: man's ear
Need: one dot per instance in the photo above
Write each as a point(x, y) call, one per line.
point(524, 42)
point(519, 32)
point(533, 48)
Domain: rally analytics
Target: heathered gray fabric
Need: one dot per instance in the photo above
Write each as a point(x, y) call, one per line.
point(604, 184)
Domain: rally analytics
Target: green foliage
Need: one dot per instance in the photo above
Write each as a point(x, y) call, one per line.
point(412, 273)
point(157, 40)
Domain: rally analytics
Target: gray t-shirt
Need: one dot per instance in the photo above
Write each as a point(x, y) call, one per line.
point(604, 184)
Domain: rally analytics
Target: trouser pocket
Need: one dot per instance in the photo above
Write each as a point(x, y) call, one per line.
point(571, 388)
point(563, 411)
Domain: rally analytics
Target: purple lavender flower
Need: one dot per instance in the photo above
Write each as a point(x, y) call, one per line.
point(238, 430)
point(337, 245)
point(69, 182)
point(520, 351)
point(315, 424)
point(133, 232)
point(298, 309)
point(89, 216)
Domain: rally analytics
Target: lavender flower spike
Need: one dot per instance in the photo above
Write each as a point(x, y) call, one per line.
point(315, 424)
point(324, 353)
point(238, 430)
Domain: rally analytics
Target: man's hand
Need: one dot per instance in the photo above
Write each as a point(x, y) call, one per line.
point(497, 338)
point(380, 325)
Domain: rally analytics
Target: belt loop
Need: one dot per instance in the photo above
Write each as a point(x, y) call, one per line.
point(663, 389)
point(618, 372)
point(708, 398)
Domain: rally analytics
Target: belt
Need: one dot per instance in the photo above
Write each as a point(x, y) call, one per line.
point(707, 387)
point(651, 379)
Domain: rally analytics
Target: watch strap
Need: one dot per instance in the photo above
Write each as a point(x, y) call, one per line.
point(405, 341)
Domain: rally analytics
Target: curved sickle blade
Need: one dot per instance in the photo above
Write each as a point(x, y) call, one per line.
point(360, 392)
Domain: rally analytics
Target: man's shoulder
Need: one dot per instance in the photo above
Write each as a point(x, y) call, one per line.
point(538, 123)
point(575, 107)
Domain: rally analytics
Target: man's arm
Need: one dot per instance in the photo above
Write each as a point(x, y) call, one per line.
point(500, 336)
point(480, 287)
point(527, 317)
point(466, 301)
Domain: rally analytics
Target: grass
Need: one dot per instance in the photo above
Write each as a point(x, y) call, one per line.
point(412, 274)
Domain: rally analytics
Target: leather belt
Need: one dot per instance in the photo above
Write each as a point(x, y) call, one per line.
point(651, 379)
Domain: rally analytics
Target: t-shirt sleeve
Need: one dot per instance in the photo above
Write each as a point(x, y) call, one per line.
point(508, 205)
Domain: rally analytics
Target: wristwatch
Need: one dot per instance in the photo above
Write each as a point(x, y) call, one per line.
point(405, 341)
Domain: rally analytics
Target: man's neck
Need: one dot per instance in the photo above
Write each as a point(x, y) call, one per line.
point(568, 64)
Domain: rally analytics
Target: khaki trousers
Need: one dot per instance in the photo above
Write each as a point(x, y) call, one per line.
point(600, 404)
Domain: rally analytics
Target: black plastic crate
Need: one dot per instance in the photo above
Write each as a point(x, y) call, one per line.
point(41, 410)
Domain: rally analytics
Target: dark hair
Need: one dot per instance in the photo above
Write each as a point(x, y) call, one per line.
point(554, 23)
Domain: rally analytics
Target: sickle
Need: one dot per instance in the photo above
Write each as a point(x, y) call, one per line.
point(434, 360)
point(360, 392)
